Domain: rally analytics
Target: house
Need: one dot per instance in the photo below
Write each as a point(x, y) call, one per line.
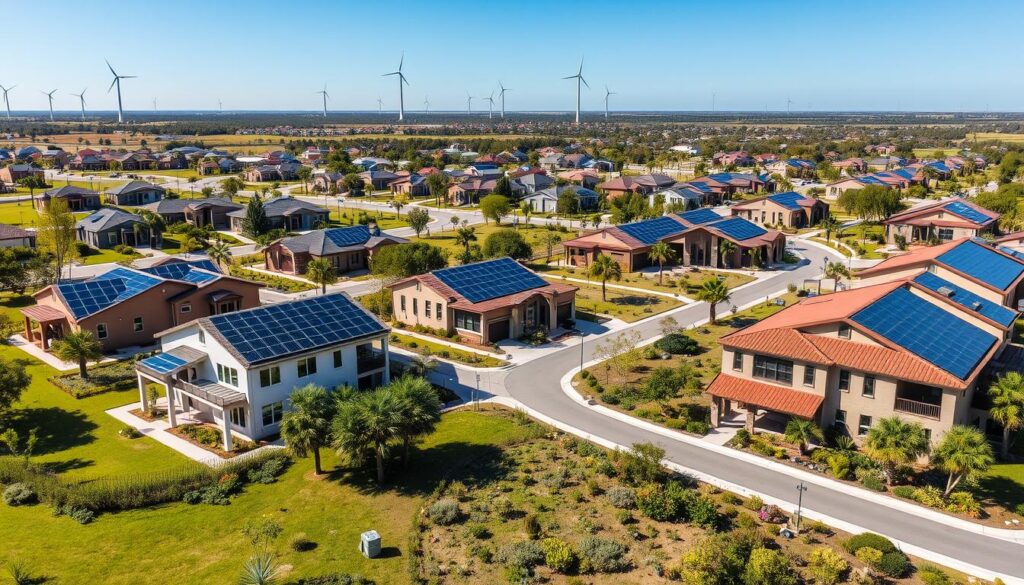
point(469, 190)
point(851, 166)
point(11, 174)
point(198, 212)
point(370, 163)
point(77, 198)
point(643, 184)
point(377, 180)
point(793, 167)
point(534, 182)
point(54, 158)
point(790, 209)
point(346, 248)
point(286, 213)
point(681, 198)
point(413, 185)
point(285, 170)
point(587, 178)
point(552, 162)
point(695, 236)
point(109, 227)
point(238, 370)
point(909, 348)
point(950, 219)
point(738, 158)
point(126, 307)
point(484, 302)
point(898, 179)
point(324, 181)
point(15, 237)
point(886, 163)
point(135, 193)
point(719, 187)
point(546, 200)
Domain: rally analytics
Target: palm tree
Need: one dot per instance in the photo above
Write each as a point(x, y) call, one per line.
point(398, 202)
point(1007, 396)
point(220, 253)
point(713, 291)
point(260, 569)
point(321, 272)
point(78, 346)
point(726, 249)
point(527, 210)
point(368, 423)
point(465, 236)
point(836, 270)
point(306, 426)
point(894, 442)
point(800, 432)
point(155, 224)
point(605, 268)
point(421, 410)
point(661, 253)
point(962, 452)
point(829, 224)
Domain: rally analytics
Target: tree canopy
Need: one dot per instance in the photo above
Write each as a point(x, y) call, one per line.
point(495, 207)
point(872, 203)
point(402, 260)
point(507, 242)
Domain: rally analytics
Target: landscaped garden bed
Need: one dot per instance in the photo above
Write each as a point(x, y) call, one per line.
point(108, 377)
point(279, 283)
point(438, 350)
point(212, 439)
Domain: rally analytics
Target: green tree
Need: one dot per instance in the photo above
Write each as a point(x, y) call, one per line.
point(568, 204)
point(526, 210)
point(78, 346)
point(13, 381)
point(829, 224)
point(768, 567)
point(306, 425)
point(661, 253)
point(894, 442)
point(255, 223)
point(495, 207)
point(321, 272)
point(56, 235)
point(605, 268)
point(398, 201)
point(366, 424)
point(418, 219)
point(354, 184)
point(437, 183)
point(963, 452)
point(220, 253)
point(404, 260)
point(503, 187)
point(726, 249)
point(826, 566)
point(713, 291)
point(836, 270)
point(304, 173)
point(550, 240)
point(156, 226)
point(231, 186)
point(421, 410)
point(801, 432)
point(1007, 396)
point(507, 242)
point(465, 236)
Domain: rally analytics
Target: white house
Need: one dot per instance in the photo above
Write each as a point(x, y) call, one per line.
point(237, 370)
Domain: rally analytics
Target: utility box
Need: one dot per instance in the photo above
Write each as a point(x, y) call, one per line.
point(369, 544)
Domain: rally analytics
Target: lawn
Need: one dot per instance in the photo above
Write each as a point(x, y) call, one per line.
point(532, 233)
point(106, 255)
point(861, 238)
point(625, 305)
point(683, 285)
point(18, 213)
point(430, 348)
point(350, 217)
point(1003, 485)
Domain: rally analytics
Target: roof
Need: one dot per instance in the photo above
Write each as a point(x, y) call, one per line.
point(284, 205)
point(767, 396)
point(91, 296)
point(983, 263)
point(196, 272)
point(334, 240)
point(43, 313)
point(965, 210)
point(180, 205)
point(173, 359)
point(971, 302)
point(650, 231)
point(106, 218)
point(273, 332)
point(10, 232)
point(490, 279)
point(699, 216)
point(133, 186)
point(67, 191)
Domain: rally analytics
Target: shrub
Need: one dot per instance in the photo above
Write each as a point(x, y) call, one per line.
point(928, 496)
point(768, 567)
point(79, 514)
point(895, 564)
point(655, 502)
point(839, 465)
point(524, 554)
point(826, 566)
point(677, 344)
point(700, 509)
point(741, 438)
point(532, 525)
point(869, 556)
point(932, 575)
point(19, 494)
point(641, 464)
point(334, 579)
point(503, 508)
point(754, 503)
point(903, 491)
point(621, 497)
point(698, 427)
point(301, 543)
point(873, 482)
point(868, 539)
point(772, 514)
point(559, 556)
point(129, 432)
point(444, 512)
point(602, 555)
point(478, 531)
point(731, 499)
point(1019, 509)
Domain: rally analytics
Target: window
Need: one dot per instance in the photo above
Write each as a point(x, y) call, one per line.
point(101, 331)
point(401, 302)
point(426, 309)
point(202, 336)
point(112, 238)
point(238, 416)
point(137, 324)
point(869, 387)
point(840, 422)
point(437, 307)
point(270, 376)
point(415, 306)
point(945, 234)
point(226, 375)
point(737, 361)
point(186, 307)
point(467, 321)
point(337, 358)
point(272, 413)
point(844, 331)
point(307, 366)
point(773, 369)
point(808, 375)
point(864, 425)
point(844, 380)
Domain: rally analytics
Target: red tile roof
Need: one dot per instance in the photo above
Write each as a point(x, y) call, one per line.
point(767, 396)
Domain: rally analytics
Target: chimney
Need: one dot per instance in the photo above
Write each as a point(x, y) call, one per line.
point(372, 226)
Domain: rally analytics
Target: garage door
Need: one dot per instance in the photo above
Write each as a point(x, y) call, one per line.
point(497, 331)
point(564, 312)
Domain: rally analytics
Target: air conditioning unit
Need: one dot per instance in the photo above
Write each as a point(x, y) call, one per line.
point(369, 544)
point(946, 291)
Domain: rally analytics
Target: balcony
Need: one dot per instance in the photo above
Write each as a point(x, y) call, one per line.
point(914, 407)
point(369, 360)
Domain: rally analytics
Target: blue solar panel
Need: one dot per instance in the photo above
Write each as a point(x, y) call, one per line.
point(1015, 253)
point(787, 199)
point(983, 263)
point(652, 230)
point(491, 279)
point(927, 331)
point(738, 228)
point(967, 299)
point(275, 331)
point(348, 236)
point(163, 363)
point(185, 271)
point(90, 296)
point(699, 216)
point(966, 211)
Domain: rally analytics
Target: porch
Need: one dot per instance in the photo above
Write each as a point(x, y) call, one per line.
point(761, 403)
point(44, 324)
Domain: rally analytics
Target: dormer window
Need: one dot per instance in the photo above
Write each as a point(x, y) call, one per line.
point(844, 331)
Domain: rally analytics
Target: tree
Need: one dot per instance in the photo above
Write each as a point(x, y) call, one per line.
point(418, 219)
point(56, 235)
point(438, 185)
point(894, 442)
point(801, 432)
point(836, 270)
point(421, 410)
point(220, 253)
point(550, 240)
point(526, 210)
point(232, 185)
point(304, 173)
point(713, 291)
point(495, 207)
point(398, 201)
point(1007, 396)
point(661, 253)
point(726, 249)
point(78, 346)
point(768, 567)
point(402, 260)
point(568, 203)
point(321, 272)
point(156, 226)
point(829, 224)
point(354, 184)
point(503, 187)
point(255, 223)
point(13, 381)
point(1003, 200)
point(629, 207)
point(826, 566)
point(962, 452)
point(465, 236)
point(605, 268)
point(306, 426)
point(507, 242)
point(32, 182)
point(366, 424)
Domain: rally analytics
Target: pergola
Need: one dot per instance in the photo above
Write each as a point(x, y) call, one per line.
point(51, 324)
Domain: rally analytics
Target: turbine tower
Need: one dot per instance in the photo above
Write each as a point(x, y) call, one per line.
point(380, 105)
point(490, 106)
point(501, 94)
point(154, 104)
point(325, 95)
point(426, 103)
point(49, 96)
point(401, 90)
point(607, 92)
point(220, 106)
point(117, 82)
point(469, 103)
point(7, 101)
point(81, 98)
point(580, 82)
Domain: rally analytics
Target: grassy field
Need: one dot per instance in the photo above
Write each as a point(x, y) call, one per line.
point(626, 305)
point(985, 136)
point(682, 285)
point(532, 233)
point(349, 217)
point(430, 348)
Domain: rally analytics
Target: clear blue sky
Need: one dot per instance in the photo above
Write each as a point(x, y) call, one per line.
point(657, 55)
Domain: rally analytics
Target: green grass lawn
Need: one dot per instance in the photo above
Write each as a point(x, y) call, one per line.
point(626, 305)
point(859, 237)
point(19, 213)
point(428, 348)
point(103, 256)
point(350, 217)
point(532, 233)
point(1003, 485)
point(669, 284)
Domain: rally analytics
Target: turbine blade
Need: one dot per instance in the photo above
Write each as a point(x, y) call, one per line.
point(390, 74)
point(571, 77)
point(112, 84)
point(585, 82)
point(401, 61)
point(129, 76)
point(111, 67)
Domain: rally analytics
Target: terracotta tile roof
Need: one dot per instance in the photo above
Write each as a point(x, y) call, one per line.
point(914, 257)
point(883, 361)
point(788, 343)
point(767, 396)
point(44, 313)
point(461, 302)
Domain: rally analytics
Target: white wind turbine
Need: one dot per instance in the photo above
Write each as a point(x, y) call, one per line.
point(117, 82)
point(469, 103)
point(7, 101)
point(607, 93)
point(501, 95)
point(490, 105)
point(323, 92)
point(380, 105)
point(426, 103)
point(81, 99)
point(49, 96)
point(580, 82)
point(401, 90)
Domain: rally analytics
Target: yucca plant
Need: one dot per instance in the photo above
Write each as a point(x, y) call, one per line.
point(260, 569)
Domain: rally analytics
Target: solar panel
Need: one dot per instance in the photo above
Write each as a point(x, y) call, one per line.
point(1015, 253)
point(967, 299)
point(983, 263)
point(348, 236)
point(652, 230)
point(927, 331)
point(788, 199)
point(275, 331)
point(738, 228)
point(163, 363)
point(491, 279)
point(966, 211)
point(90, 296)
point(186, 271)
point(699, 216)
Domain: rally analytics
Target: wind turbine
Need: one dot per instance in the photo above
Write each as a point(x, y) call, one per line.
point(380, 105)
point(324, 93)
point(607, 92)
point(220, 106)
point(580, 82)
point(49, 96)
point(7, 101)
point(81, 98)
point(154, 104)
point(426, 103)
point(490, 105)
point(501, 94)
point(401, 90)
point(469, 103)
point(788, 102)
point(117, 82)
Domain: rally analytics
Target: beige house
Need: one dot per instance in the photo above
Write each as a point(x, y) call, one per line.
point(944, 221)
point(790, 210)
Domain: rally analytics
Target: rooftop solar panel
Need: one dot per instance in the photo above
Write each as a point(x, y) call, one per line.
point(185, 271)
point(788, 199)
point(983, 263)
point(966, 211)
point(927, 331)
point(163, 363)
point(348, 236)
point(483, 281)
point(651, 231)
point(1015, 253)
point(967, 299)
point(699, 216)
point(93, 295)
point(275, 331)
point(738, 228)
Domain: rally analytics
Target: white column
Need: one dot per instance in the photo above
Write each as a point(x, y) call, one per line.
point(172, 416)
point(226, 424)
point(387, 360)
point(142, 392)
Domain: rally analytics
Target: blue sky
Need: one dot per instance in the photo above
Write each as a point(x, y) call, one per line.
point(657, 55)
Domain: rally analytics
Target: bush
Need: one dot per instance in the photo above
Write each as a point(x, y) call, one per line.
point(19, 494)
point(601, 555)
point(873, 482)
point(754, 503)
point(928, 496)
point(621, 497)
point(701, 510)
point(478, 531)
point(826, 566)
point(524, 554)
point(768, 567)
point(79, 514)
point(894, 564)
point(839, 465)
point(697, 427)
point(334, 579)
point(963, 503)
point(444, 512)
point(741, 439)
point(559, 556)
point(677, 344)
point(932, 575)
point(904, 491)
point(655, 502)
point(868, 539)
point(532, 525)
point(869, 556)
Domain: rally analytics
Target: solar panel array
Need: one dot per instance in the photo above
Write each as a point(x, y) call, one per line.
point(966, 211)
point(163, 363)
point(90, 296)
point(348, 236)
point(788, 199)
point(652, 230)
point(967, 299)
point(483, 281)
point(927, 331)
point(699, 216)
point(183, 271)
point(1015, 253)
point(738, 228)
point(983, 263)
point(275, 331)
